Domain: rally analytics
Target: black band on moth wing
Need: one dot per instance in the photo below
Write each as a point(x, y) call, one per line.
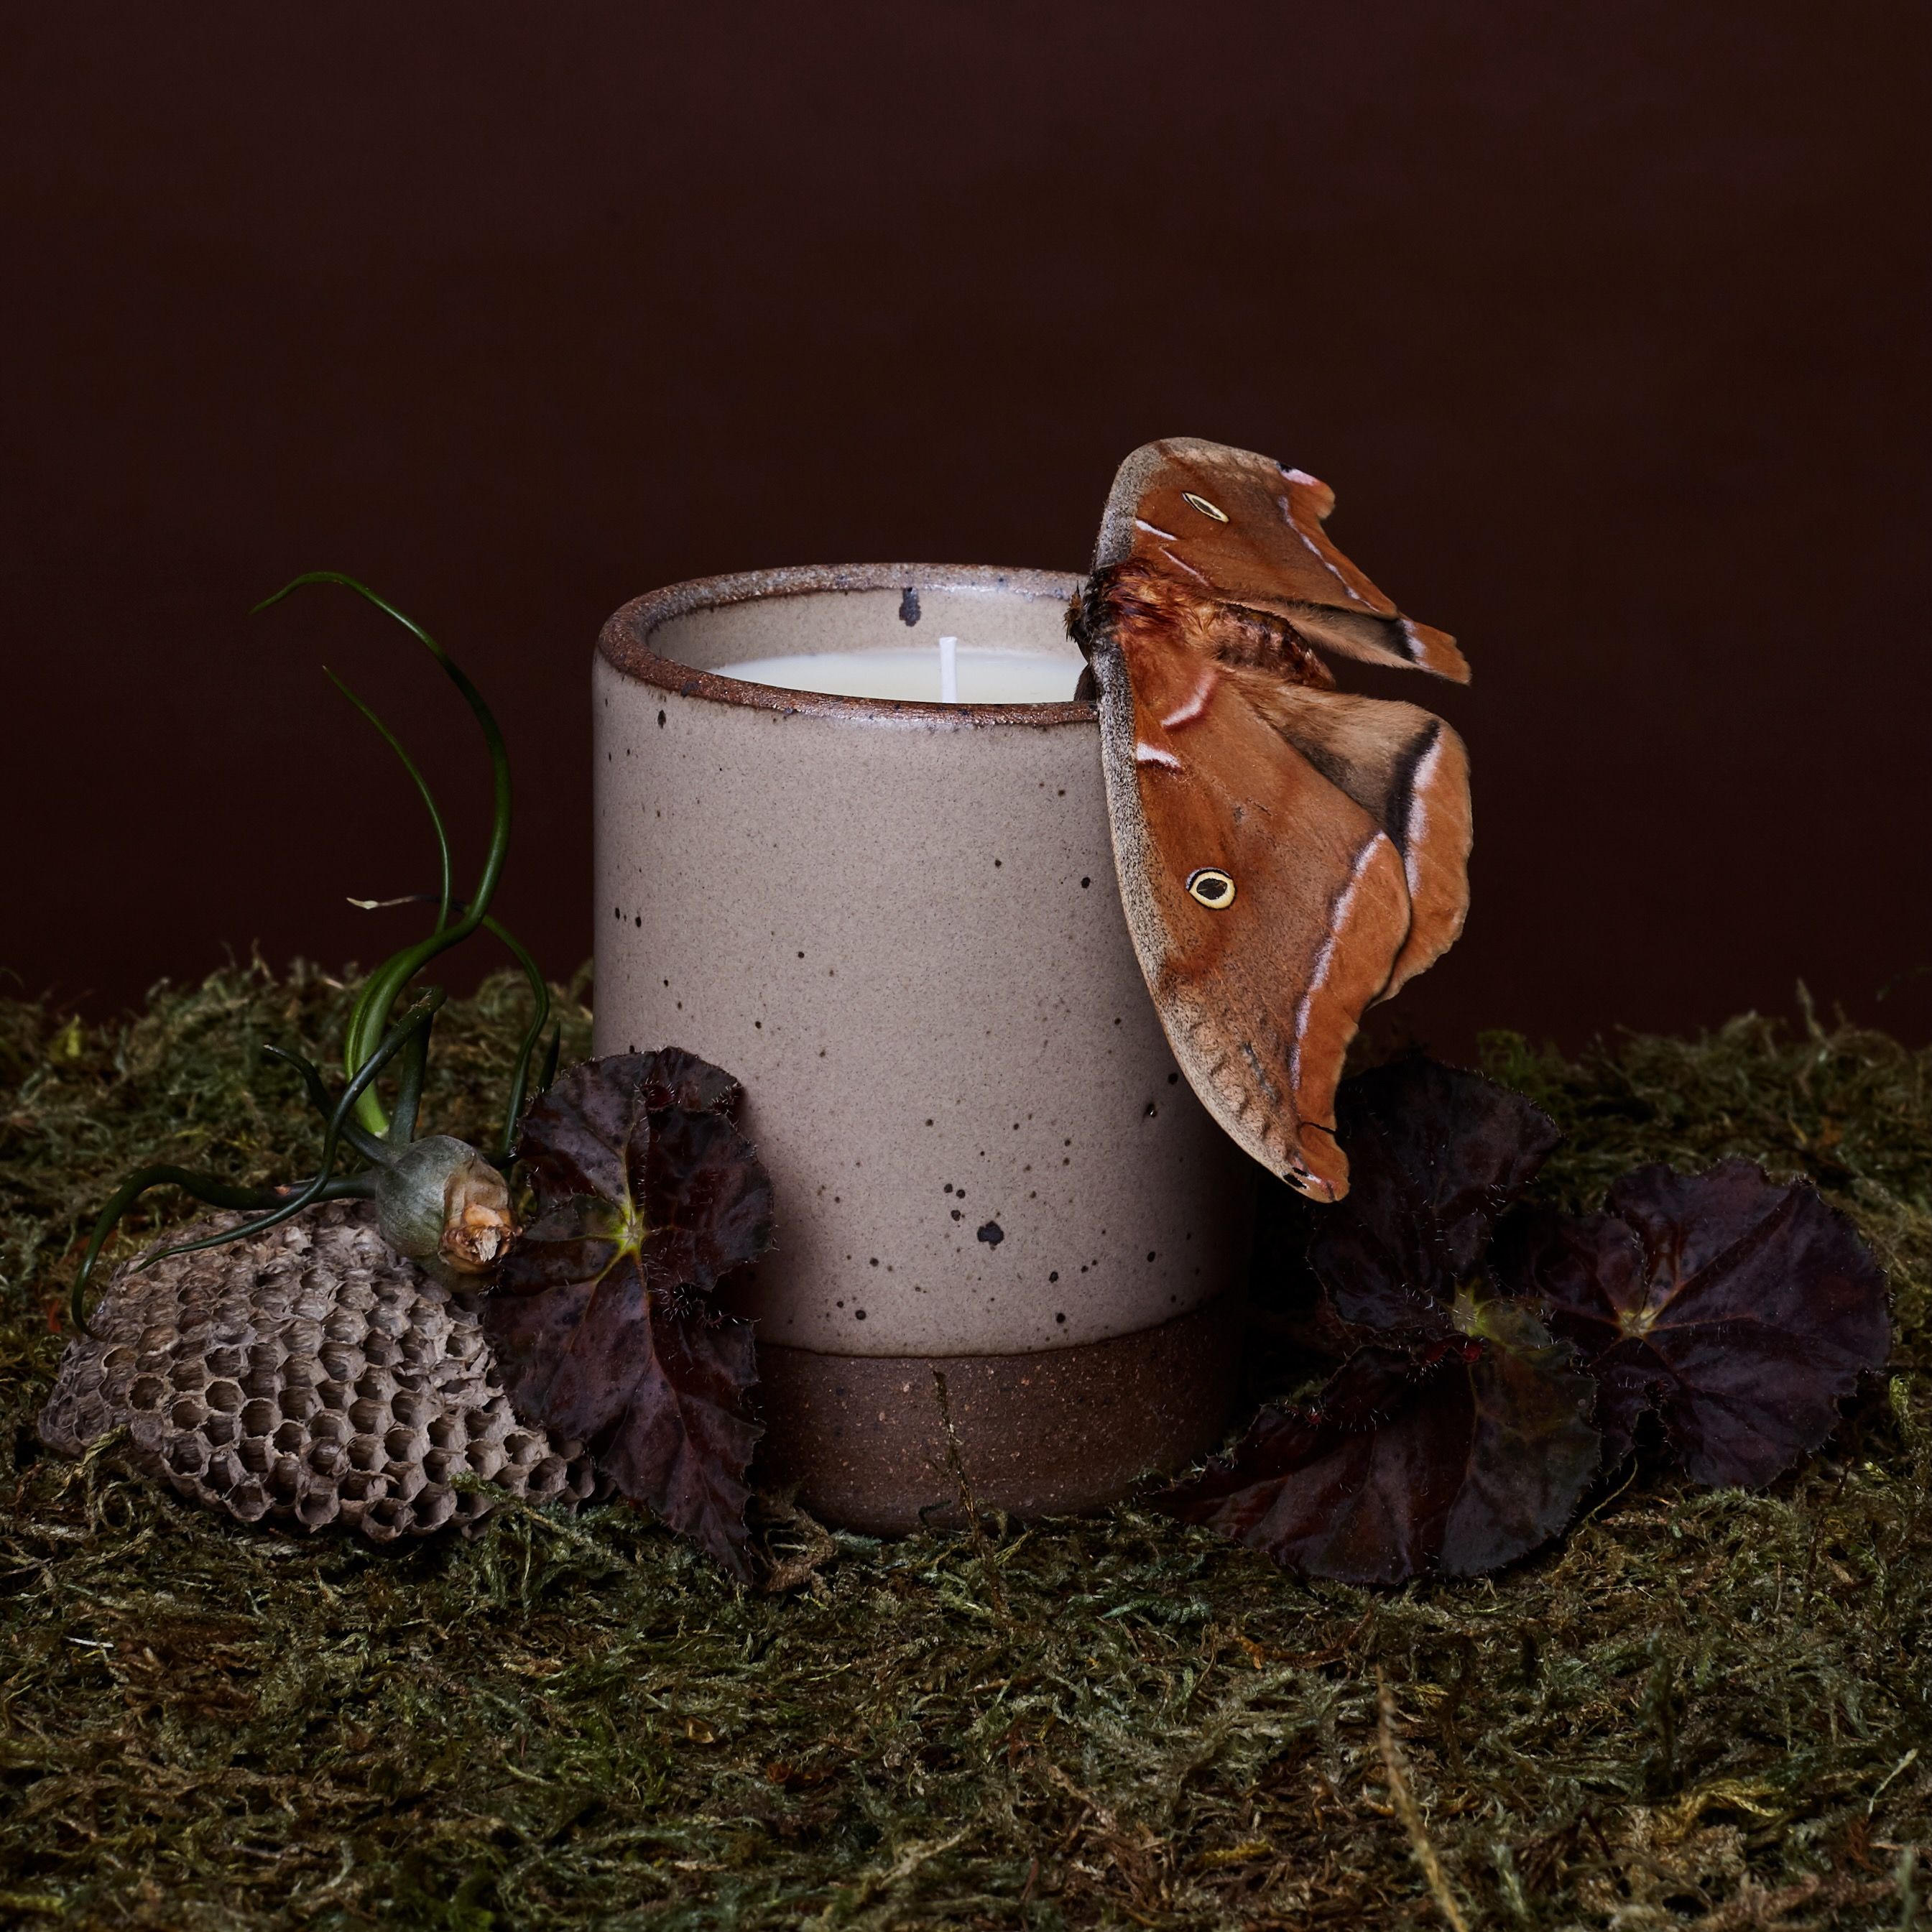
point(1400, 802)
point(1397, 799)
point(1320, 623)
point(1338, 771)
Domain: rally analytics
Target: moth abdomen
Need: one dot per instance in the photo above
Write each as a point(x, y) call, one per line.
point(1259, 639)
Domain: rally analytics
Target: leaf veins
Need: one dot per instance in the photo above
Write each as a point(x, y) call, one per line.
point(1458, 1437)
point(647, 1196)
point(1435, 1156)
point(1742, 1311)
point(1460, 1457)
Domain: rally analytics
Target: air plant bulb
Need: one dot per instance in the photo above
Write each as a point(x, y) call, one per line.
point(440, 1202)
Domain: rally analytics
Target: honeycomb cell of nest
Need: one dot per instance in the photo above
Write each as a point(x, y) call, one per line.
point(305, 1376)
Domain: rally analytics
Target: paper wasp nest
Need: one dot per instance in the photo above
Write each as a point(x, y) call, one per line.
point(306, 1376)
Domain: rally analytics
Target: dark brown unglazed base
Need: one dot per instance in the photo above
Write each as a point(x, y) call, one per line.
point(862, 1438)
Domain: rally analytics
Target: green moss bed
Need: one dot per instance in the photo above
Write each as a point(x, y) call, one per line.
point(1699, 1707)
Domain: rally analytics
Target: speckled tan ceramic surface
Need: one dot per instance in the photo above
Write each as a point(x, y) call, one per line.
point(898, 925)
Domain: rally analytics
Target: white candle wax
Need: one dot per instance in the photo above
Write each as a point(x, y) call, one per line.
point(977, 676)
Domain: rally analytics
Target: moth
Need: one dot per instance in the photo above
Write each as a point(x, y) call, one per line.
point(1288, 852)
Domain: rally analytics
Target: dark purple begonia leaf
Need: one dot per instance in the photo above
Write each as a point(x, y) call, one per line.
point(601, 1315)
point(574, 1140)
point(661, 1392)
point(672, 1077)
point(1460, 1457)
point(1743, 1310)
point(1580, 1269)
point(1435, 1156)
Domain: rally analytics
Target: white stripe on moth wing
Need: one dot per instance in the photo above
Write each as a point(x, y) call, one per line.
point(1415, 645)
point(1195, 703)
point(1152, 754)
point(1314, 550)
point(1316, 980)
point(1338, 918)
point(1189, 567)
point(1155, 530)
point(1416, 830)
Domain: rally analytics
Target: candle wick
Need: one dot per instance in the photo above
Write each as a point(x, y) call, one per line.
point(949, 670)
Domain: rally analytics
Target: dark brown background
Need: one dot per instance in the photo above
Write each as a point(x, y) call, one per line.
point(1606, 322)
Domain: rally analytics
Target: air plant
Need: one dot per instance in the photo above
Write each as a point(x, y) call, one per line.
point(438, 1200)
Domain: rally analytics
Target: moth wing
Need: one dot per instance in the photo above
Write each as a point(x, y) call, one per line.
point(1238, 526)
point(1259, 998)
point(1410, 772)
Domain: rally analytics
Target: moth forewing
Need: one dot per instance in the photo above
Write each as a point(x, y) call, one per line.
point(1259, 988)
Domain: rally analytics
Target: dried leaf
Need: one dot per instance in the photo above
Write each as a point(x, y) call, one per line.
point(647, 1198)
point(1742, 1310)
point(1435, 1156)
point(1459, 1457)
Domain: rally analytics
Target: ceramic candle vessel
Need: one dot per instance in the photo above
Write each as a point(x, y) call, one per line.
point(897, 924)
